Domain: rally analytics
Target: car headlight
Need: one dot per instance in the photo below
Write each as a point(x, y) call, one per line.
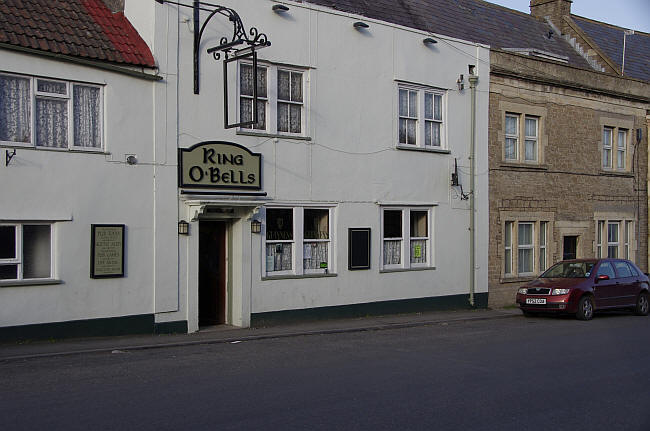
point(560, 291)
point(522, 291)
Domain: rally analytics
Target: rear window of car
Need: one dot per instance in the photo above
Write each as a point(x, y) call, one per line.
point(622, 269)
point(635, 272)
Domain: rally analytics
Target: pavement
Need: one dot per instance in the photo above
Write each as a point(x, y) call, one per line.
point(231, 334)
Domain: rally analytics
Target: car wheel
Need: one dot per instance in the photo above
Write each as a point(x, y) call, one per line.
point(529, 313)
point(585, 308)
point(641, 308)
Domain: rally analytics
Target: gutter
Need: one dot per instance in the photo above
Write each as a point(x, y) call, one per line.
point(83, 62)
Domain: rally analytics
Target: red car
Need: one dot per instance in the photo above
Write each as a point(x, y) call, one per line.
point(584, 285)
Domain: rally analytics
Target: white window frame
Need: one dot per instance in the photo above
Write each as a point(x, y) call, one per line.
point(621, 149)
point(608, 153)
point(540, 246)
point(420, 118)
point(531, 138)
point(530, 246)
point(521, 138)
point(34, 94)
point(405, 248)
point(543, 241)
point(511, 136)
point(272, 100)
point(507, 247)
point(614, 244)
point(298, 242)
point(19, 260)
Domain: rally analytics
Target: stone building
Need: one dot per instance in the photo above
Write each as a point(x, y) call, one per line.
point(568, 149)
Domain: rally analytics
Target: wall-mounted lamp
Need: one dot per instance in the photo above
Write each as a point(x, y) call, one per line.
point(131, 159)
point(429, 41)
point(183, 227)
point(279, 8)
point(360, 25)
point(460, 82)
point(256, 226)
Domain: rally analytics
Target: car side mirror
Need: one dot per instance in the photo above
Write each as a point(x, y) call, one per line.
point(602, 277)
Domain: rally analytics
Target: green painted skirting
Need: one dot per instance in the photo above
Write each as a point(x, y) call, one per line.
point(439, 303)
point(106, 327)
point(179, 327)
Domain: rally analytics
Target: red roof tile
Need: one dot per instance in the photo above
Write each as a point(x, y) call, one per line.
point(84, 28)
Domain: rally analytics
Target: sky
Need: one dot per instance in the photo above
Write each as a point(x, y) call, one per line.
point(633, 14)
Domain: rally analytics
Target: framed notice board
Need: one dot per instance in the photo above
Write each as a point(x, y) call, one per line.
point(358, 248)
point(106, 250)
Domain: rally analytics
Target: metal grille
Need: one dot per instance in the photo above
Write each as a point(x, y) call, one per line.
point(539, 291)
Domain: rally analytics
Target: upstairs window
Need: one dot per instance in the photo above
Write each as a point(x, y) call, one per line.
point(47, 113)
point(420, 118)
point(521, 138)
point(614, 147)
point(281, 99)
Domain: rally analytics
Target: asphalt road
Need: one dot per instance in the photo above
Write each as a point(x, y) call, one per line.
point(509, 374)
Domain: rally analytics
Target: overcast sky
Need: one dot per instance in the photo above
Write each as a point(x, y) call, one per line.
point(634, 14)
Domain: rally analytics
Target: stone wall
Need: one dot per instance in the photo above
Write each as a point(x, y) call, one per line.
point(568, 187)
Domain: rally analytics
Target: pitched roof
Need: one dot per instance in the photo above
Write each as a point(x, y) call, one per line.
point(78, 28)
point(609, 39)
point(472, 20)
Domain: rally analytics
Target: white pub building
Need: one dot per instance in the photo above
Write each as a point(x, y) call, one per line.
point(288, 161)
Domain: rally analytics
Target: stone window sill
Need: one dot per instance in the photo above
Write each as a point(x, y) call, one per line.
point(38, 282)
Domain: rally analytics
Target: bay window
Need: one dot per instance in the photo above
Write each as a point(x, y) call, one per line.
point(49, 113)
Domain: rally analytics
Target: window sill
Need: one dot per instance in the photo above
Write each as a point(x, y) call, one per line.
point(426, 150)
point(624, 174)
point(58, 150)
point(39, 282)
point(524, 166)
point(417, 268)
point(517, 279)
point(292, 277)
point(273, 135)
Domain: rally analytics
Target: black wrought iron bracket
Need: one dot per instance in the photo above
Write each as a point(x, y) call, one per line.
point(240, 43)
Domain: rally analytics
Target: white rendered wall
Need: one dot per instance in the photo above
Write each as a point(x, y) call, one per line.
point(77, 189)
point(351, 159)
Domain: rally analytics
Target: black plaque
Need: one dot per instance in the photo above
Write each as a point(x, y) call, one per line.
point(106, 250)
point(358, 248)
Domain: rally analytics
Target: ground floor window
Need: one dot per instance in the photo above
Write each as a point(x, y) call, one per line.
point(298, 240)
point(525, 247)
point(25, 251)
point(406, 237)
point(614, 238)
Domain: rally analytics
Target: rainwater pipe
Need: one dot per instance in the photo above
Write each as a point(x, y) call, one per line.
point(473, 80)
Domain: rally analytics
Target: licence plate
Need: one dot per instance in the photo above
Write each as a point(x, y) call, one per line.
point(535, 300)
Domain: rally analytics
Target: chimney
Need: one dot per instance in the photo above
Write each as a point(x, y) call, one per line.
point(115, 5)
point(555, 10)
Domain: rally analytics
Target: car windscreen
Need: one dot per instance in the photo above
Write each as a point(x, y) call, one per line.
point(569, 270)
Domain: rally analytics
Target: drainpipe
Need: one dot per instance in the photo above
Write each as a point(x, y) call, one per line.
point(473, 80)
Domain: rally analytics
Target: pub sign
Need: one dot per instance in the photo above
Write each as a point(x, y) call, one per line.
point(219, 165)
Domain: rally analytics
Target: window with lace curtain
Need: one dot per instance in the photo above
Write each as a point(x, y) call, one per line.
point(406, 237)
point(295, 234)
point(280, 99)
point(49, 113)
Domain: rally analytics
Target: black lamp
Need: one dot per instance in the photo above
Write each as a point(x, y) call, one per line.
point(183, 227)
